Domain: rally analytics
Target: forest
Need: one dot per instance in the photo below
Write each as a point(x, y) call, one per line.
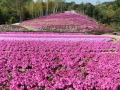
point(12, 11)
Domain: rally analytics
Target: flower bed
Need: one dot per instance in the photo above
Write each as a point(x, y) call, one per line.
point(58, 65)
point(53, 37)
point(65, 22)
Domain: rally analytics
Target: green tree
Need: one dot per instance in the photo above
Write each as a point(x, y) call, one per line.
point(96, 12)
point(16, 6)
point(1, 17)
point(81, 7)
point(89, 9)
point(117, 2)
point(117, 15)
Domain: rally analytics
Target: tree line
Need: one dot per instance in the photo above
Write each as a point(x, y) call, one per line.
point(12, 11)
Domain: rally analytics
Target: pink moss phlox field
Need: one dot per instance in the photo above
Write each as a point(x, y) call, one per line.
point(65, 22)
point(53, 37)
point(58, 65)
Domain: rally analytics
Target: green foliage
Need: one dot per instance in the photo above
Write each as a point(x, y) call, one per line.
point(117, 15)
point(12, 20)
point(89, 9)
point(96, 13)
point(117, 2)
point(15, 7)
point(1, 17)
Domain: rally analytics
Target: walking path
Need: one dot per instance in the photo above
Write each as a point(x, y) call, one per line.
point(117, 37)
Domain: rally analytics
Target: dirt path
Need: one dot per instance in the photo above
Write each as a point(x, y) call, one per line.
point(30, 28)
point(16, 24)
point(117, 38)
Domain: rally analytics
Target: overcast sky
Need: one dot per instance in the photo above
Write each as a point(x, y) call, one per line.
point(91, 1)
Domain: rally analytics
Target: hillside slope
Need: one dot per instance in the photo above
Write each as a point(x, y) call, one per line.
point(65, 22)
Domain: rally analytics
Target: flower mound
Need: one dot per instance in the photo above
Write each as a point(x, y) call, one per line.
point(58, 65)
point(65, 22)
